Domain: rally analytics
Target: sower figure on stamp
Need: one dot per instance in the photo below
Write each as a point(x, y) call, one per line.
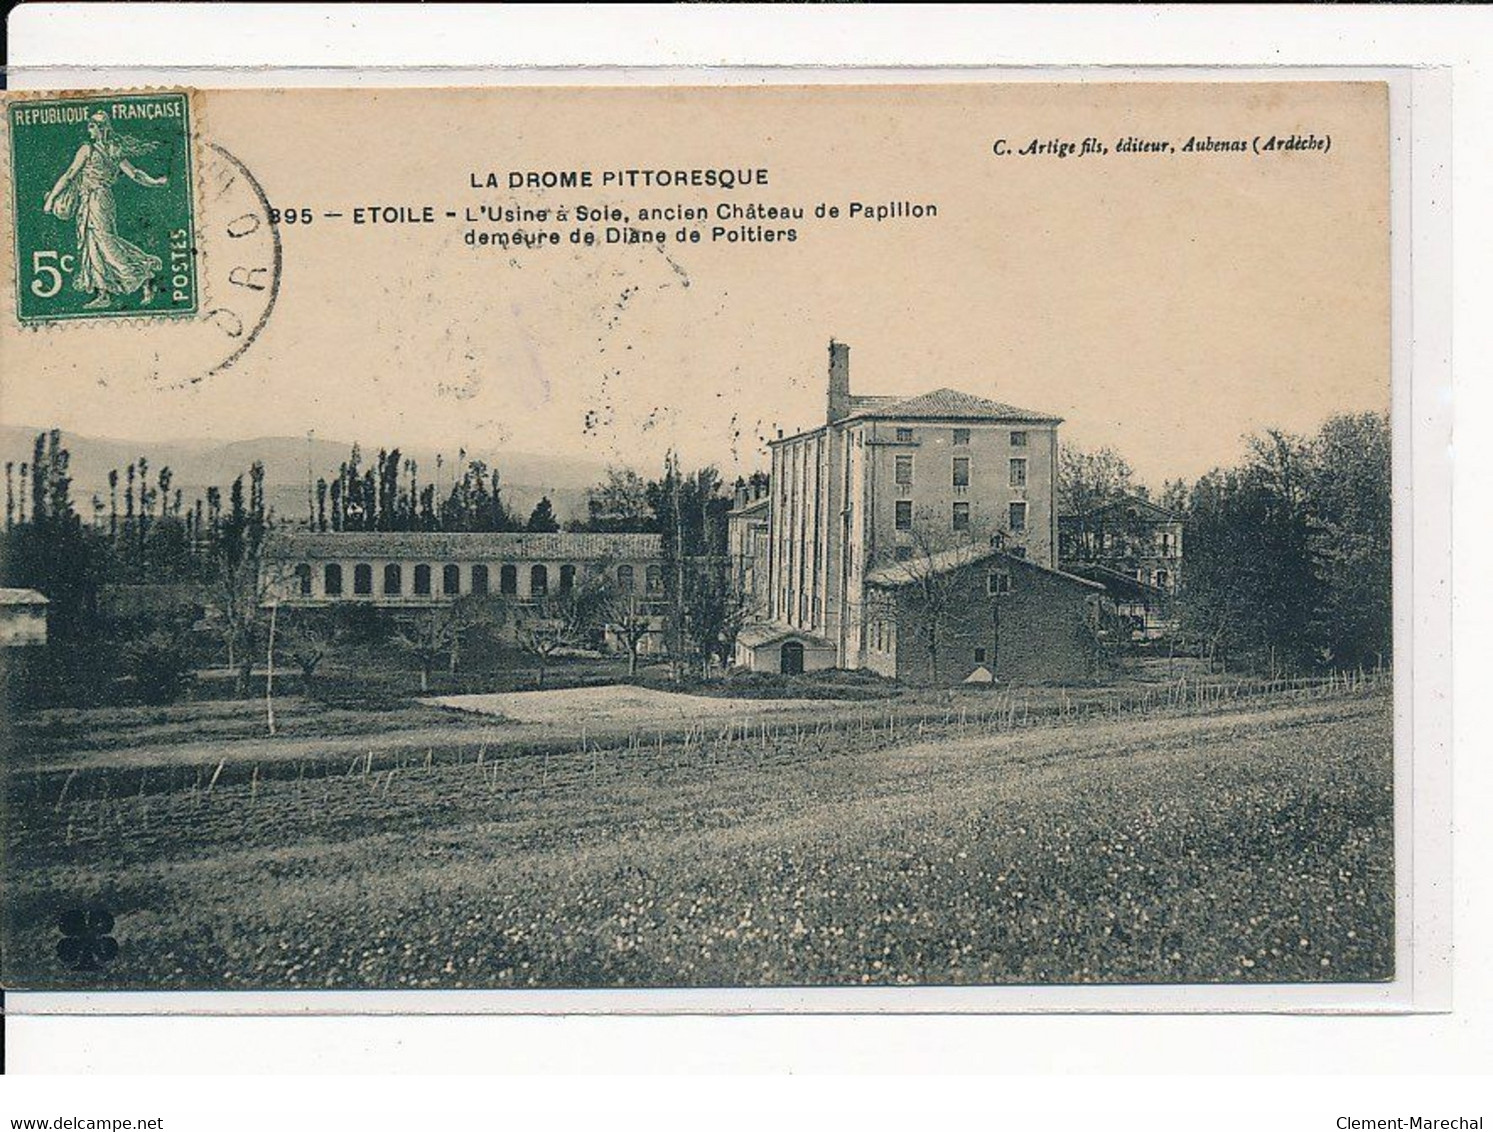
point(108, 264)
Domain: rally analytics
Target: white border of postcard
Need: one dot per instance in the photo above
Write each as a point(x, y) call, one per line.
point(1421, 237)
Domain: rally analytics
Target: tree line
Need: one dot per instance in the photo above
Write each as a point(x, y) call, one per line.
point(388, 495)
point(221, 544)
point(1288, 554)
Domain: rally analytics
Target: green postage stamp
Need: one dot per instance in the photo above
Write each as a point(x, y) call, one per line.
point(102, 192)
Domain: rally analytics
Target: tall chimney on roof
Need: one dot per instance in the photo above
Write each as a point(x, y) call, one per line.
point(839, 382)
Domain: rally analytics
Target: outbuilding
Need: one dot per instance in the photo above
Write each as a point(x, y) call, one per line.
point(980, 613)
point(777, 648)
point(23, 618)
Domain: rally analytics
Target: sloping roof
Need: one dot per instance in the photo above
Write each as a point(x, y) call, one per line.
point(9, 596)
point(754, 636)
point(1146, 509)
point(759, 504)
point(575, 546)
point(1117, 583)
point(945, 404)
point(905, 573)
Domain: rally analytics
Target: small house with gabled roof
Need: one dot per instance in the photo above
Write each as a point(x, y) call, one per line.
point(23, 617)
point(977, 613)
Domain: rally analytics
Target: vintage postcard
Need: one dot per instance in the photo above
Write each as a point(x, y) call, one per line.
point(739, 536)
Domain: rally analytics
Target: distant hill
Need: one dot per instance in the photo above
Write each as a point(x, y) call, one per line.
point(199, 464)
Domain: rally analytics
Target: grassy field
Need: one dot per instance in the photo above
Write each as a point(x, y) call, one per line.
point(1246, 841)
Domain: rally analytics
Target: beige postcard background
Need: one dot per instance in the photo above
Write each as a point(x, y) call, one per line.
point(1163, 303)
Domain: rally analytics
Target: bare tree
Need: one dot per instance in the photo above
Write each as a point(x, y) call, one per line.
point(548, 624)
point(929, 591)
point(628, 619)
point(467, 614)
point(718, 612)
point(429, 635)
point(245, 574)
point(924, 589)
point(308, 637)
point(1089, 483)
point(437, 632)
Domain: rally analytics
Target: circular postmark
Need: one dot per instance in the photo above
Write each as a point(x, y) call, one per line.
point(242, 257)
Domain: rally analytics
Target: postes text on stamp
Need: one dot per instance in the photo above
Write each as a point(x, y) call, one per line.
point(103, 207)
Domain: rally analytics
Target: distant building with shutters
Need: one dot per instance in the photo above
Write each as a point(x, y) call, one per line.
point(1133, 547)
point(748, 543)
point(401, 569)
point(411, 570)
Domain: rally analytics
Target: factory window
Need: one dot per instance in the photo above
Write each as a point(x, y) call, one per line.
point(393, 580)
point(625, 579)
point(303, 579)
point(539, 581)
point(1162, 577)
point(903, 554)
point(567, 579)
point(979, 656)
point(961, 516)
point(1018, 471)
point(422, 580)
point(508, 580)
point(904, 514)
point(331, 580)
point(999, 582)
point(961, 436)
point(363, 578)
point(655, 579)
point(451, 579)
point(904, 435)
point(479, 579)
point(1018, 440)
point(1018, 517)
point(961, 471)
point(904, 470)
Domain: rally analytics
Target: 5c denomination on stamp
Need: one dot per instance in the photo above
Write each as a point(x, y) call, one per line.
point(103, 214)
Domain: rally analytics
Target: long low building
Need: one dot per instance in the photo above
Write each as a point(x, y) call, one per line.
point(415, 568)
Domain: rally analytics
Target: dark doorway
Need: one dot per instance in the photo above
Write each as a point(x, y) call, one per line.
point(792, 659)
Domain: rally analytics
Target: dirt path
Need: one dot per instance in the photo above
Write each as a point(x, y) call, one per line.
point(606, 723)
point(500, 736)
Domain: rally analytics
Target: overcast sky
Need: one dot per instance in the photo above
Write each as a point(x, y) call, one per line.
point(1162, 305)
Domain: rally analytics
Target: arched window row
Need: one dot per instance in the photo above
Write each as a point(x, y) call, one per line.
point(541, 579)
